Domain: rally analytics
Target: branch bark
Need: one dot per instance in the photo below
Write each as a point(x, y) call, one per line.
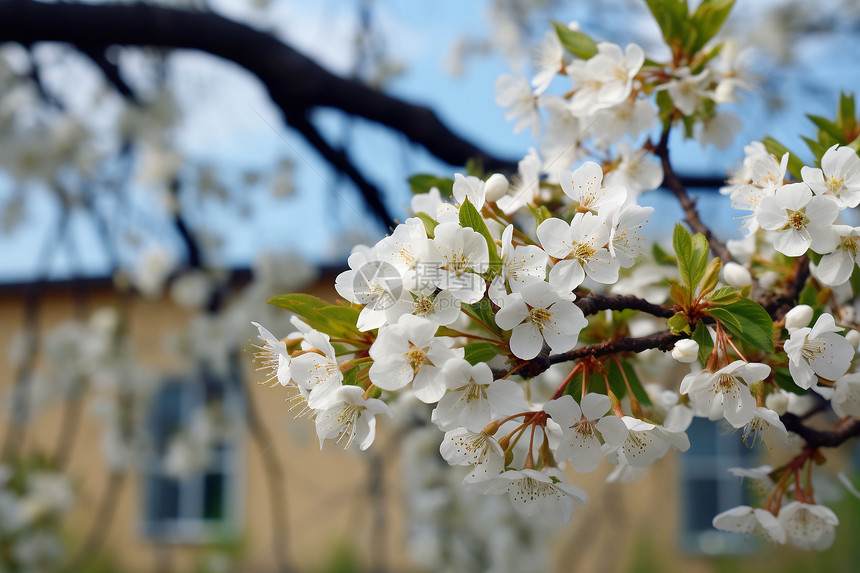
point(596, 302)
point(292, 79)
point(673, 183)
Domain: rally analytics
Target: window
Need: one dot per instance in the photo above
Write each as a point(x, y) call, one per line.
point(708, 488)
point(202, 505)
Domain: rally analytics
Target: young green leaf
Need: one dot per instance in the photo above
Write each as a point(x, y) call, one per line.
point(429, 223)
point(469, 217)
point(704, 340)
point(707, 20)
point(575, 42)
point(480, 352)
point(756, 325)
point(678, 324)
point(682, 242)
point(423, 182)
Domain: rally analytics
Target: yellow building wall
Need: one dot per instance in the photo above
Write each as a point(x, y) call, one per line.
point(327, 493)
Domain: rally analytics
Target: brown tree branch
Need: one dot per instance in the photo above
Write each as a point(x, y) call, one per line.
point(596, 302)
point(292, 79)
point(842, 431)
point(691, 214)
point(662, 340)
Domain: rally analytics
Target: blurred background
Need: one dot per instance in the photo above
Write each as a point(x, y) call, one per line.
point(166, 167)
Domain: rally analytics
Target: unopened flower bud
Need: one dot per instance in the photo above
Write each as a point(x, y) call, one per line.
point(853, 337)
point(736, 275)
point(497, 187)
point(778, 402)
point(798, 317)
point(686, 351)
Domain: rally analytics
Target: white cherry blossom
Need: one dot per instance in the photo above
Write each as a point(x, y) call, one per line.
point(800, 220)
point(751, 521)
point(725, 393)
point(407, 248)
point(809, 526)
point(515, 94)
point(461, 253)
point(582, 246)
point(585, 186)
point(438, 306)
point(766, 428)
point(818, 351)
point(611, 124)
point(846, 395)
point(350, 417)
point(835, 268)
point(687, 90)
point(409, 352)
point(838, 178)
point(637, 171)
point(471, 188)
point(625, 224)
point(605, 79)
point(474, 398)
point(464, 447)
point(274, 357)
point(521, 264)
point(544, 493)
point(549, 60)
point(583, 427)
point(642, 443)
point(537, 314)
point(317, 371)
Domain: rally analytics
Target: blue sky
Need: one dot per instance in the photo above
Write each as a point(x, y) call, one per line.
point(230, 122)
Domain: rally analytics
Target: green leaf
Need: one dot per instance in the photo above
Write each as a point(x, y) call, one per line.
point(575, 42)
point(756, 325)
point(846, 113)
point(469, 217)
point(703, 339)
point(334, 320)
point(817, 149)
point(682, 242)
point(480, 352)
point(635, 383)
point(724, 295)
point(854, 280)
point(661, 257)
point(707, 20)
point(828, 127)
point(724, 316)
point(778, 149)
point(423, 182)
point(699, 260)
point(541, 214)
point(483, 310)
point(350, 377)
point(429, 223)
point(673, 18)
point(783, 379)
point(678, 323)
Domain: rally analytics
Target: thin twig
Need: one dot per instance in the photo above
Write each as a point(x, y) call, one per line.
point(691, 214)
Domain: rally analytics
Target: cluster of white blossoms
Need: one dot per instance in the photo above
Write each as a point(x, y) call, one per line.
point(437, 289)
point(807, 214)
point(33, 500)
point(494, 286)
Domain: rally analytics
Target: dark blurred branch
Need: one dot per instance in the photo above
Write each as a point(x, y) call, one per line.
point(691, 214)
point(111, 72)
point(294, 81)
point(340, 161)
point(842, 431)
